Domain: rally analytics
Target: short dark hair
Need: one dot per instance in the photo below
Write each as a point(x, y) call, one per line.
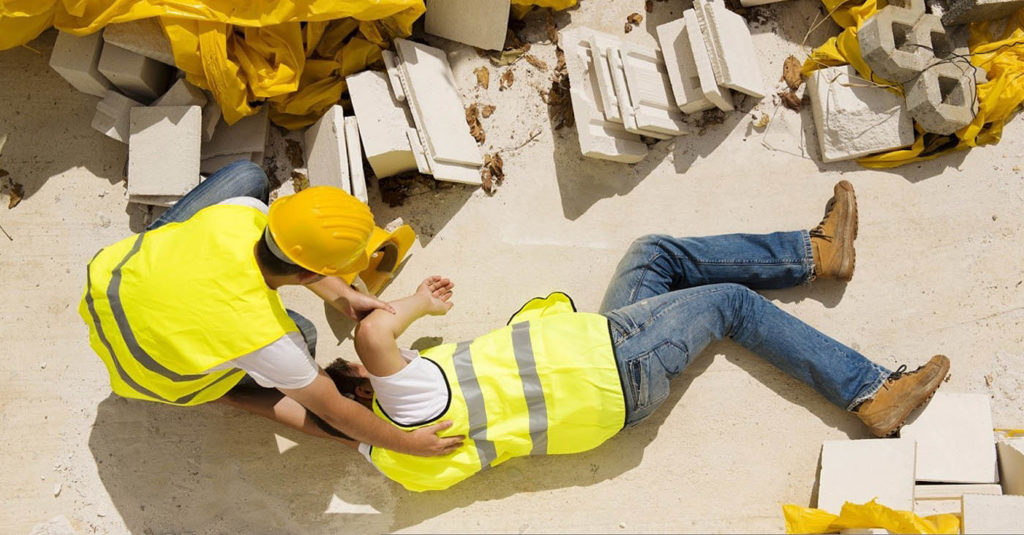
point(346, 380)
point(273, 264)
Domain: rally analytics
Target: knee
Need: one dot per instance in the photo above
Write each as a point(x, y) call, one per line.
point(648, 242)
point(740, 304)
point(249, 178)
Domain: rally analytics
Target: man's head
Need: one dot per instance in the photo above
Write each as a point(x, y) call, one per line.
point(351, 381)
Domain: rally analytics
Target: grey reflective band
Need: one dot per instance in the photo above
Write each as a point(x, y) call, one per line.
point(463, 361)
point(274, 249)
point(532, 389)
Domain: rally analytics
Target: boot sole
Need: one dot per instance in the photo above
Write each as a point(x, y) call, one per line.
point(849, 254)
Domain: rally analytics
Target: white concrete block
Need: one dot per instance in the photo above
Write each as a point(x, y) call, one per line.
point(604, 87)
point(383, 124)
point(355, 159)
point(248, 135)
point(216, 163)
point(719, 96)
point(211, 118)
point(650, 91)
point(145, 37)
point(598, 136)
point(954, 438)
point(949, 492)
point(993, 514)
point(682, 67)
point(422, 164)
point(938, 507)
point(626, 107)
point(860, 470)
point(137, 76)
point(326, 151)
point(854, 118)
point(163, 151)
point(479, 23)
point(731, 48)
point(113, 115)
point(182, 93)
point(1011, 464)
point(76, 59)
point(391, 66)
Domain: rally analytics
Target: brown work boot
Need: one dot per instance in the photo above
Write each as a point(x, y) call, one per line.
point(832, 239)
point(901, 393)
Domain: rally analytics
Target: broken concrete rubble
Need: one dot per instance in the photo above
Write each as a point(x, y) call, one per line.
point(76, 59)
point(163, 152)
point(113, 115)
point(1011, 464)
point(355, 159)
point(965, 11)
point(650, 92)
point(327, 160)
point(682, 66)
point(730, 46)
point(719, 96)
point(890, 46)
point(383, 124)
point(144, 37)
point(479, 23)
point(135, 75)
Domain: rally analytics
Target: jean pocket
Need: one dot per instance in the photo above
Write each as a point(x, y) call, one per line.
point(639, 380)
point(673, 358)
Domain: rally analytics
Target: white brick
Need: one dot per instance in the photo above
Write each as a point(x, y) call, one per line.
point(719, 96)
point(604, 86)
point(391, 66)
point(947, 492)
point(728, 40)
point(355, 159)
point(383, 123)
point(954, 439)
point(76, 59)
point(182, 93)
point(860, 470)
point(249, 135)
point(682, 66)
point(326, 151)
point(938, 507)
point(134, 74)
point(1011, 464)
point(993, 514)
point(650, 91)
point(479, 23)
point(422, 164)
point(163, 151)
point(145, 37)
point(113, 115)
point(854, 118)
point(598, 136)
point(213, 164)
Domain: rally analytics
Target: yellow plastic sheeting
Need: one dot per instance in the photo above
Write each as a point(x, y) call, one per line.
point(869, 515)
point(1000, 54)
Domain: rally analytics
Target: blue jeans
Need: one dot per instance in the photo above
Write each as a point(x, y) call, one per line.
point(671, 297)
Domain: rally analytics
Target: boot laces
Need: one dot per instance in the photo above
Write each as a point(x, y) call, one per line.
point(900, 372)
point(819, 231)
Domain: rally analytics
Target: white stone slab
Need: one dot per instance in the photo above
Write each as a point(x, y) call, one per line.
point(355, 159)
point(1011, 464)
point(163, 151)
point(719, 96)
point(145, 37)
point(136, 75)
point(212, 116)
point(249, 134)
point(947, 491)
point(479, 23)
point(604, 88)
point(76, 59)
point(113, 115)
point(422, 164)
point(383, 123)
point(650, 91)
point(182, 93)
point(598, 136)
point(216, 163)
point(625, 101)
point(993, 514)
point(391, 65)
point(938, 507)
point(731, 48)
point(860, 470)
point(682, 66)
point(954, 439)
point(437, 108)
point(327, 152)
point(854, 118)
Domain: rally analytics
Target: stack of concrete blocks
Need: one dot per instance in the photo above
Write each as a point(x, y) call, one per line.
point(854, 117)
point(479, 23)
point(244, 140)
point(163, 153)
point(333, 153)
point(903, 44)
point(965, 11)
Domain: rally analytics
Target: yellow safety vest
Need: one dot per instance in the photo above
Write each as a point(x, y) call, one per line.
point(545, 384)
point(165, 306)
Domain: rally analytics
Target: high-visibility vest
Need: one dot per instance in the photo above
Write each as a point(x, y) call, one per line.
point(165, 306)
point(545, 384)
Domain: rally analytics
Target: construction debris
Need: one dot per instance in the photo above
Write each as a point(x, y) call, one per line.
point(965, 11)
point(384, 124)
point(137, 76)
point(327, 162)
point(992, 514)
point(76, 59)
point(954, 439)
point(113, 115)
point(860, 470)
point(731, 48)
point(144, 37)
point(681, 65)
point(479, 23)
point(163, 153)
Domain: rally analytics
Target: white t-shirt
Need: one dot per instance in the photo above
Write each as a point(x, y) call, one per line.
point(283, 363)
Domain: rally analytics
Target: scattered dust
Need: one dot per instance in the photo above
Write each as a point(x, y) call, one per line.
point(532, 60)
point(299, 181)
point(487, 110)
point(791, 72)
point(506, 80)
point(294, 151)
point(483, 77)
point(709, 118)
point(791, 100)
point(473, 120)
point(394, 190)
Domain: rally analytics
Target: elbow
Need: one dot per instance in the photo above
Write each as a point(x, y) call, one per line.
point(368, 333)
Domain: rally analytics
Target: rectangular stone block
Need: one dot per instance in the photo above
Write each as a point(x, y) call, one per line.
point(355, 159)
point(391, 66)
point(954, 439)
point(604, 87)
point(163, 151)
point(854, 118)
point(76, 59)
point(728, 40)
point(422, 164)
point(144, 37)
point(137, 76)
point(326, 151)
point(650, 91)
point(182, 93)
point(479, 23)
point(949, 492)
point(626, 108)
point(113, 115)
point(965, 11)
point(383, 123)
point(682, 67)
point(248, 135)
point(211, 165)
point(993, 514)
point(938, 507)
point(861, 470)
point(1011, 464)
point(719, 96)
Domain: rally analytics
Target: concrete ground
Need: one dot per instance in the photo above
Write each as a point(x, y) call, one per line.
point(940, 265)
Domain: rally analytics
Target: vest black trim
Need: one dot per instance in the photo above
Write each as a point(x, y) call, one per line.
point(447, 404)
point(567, 296)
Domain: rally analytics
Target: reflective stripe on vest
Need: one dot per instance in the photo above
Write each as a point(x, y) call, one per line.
point(532, 389)
point(470, 386)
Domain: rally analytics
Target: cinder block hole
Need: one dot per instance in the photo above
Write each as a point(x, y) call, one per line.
point(695, 82)
point(951, 91)
point(899, 36)
point(941, 44)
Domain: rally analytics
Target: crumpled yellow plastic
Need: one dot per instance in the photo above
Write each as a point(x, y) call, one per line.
point(1000, 54)
point(868, 515)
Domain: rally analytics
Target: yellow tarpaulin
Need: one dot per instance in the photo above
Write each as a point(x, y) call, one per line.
point(999, 53)
point(292, 54)
point(869, 515)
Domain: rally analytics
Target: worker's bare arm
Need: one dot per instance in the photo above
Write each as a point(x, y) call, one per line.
point(375, 338)
point(346, 299)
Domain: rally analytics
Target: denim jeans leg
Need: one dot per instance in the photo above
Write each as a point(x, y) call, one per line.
point(238, 179)
point(656, 264)
point(656, 338)
point(307, 329)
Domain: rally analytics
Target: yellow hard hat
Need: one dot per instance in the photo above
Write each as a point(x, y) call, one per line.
point(323, 229)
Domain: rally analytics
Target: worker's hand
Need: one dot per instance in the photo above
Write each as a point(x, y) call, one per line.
point(359, 305)
point(425, 441)
point(438, 291)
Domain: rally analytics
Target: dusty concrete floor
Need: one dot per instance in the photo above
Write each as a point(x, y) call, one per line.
point(940, 265)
